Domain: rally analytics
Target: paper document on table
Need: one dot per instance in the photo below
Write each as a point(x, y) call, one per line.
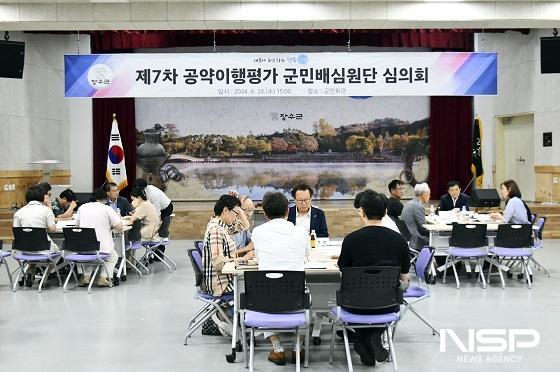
point(65, 223)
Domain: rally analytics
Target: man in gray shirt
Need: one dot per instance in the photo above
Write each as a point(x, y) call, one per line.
point(413, 215)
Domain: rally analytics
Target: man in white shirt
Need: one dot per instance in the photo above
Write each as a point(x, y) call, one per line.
point(36, 214)
point(103, 219)
point(279, 245)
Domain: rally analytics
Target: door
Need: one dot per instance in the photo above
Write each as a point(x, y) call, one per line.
point(518, 146)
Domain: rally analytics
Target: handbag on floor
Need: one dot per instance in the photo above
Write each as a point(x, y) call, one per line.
point(210, 328)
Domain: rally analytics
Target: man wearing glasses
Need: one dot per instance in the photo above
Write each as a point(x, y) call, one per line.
point(394, 205)
point(304, 215)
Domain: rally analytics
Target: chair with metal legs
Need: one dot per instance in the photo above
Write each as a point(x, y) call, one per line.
point(513, 243)
point(34, 251)
point(212, 304)
point(131, 259)
point(275, 301)
point(3, 256)
point(418, 292)
point(153, 254)
point(467, 242)
point(369, 297)
point(81, 247)
point(538, 244)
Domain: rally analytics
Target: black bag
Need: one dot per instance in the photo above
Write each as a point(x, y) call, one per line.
point(209, 328)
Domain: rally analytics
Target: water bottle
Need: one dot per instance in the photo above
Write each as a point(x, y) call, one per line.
point(432, 211)
point(464, 213)
point(118, 212)
point(313, 239)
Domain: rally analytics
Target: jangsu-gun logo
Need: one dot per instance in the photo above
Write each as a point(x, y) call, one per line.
point(488, 345)
point(100, 76)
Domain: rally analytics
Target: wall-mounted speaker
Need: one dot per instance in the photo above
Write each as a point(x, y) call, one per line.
point(550, 55)
point(12, 56)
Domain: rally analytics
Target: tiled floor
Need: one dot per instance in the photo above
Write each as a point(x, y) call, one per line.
point(139, 326)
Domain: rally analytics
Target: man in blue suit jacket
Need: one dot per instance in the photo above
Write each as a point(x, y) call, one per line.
point(303, 214)
point(454, 199)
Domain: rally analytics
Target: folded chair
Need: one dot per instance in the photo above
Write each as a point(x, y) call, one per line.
point(367, 289)
point(467, 241)
point(3, 255)
point(82, 248)
point(513, 243)
point(275, 301)
point(419, 292)
point(34, 248)
point(211, 303)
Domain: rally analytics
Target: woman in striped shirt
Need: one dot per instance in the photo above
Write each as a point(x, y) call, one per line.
point(219, 246)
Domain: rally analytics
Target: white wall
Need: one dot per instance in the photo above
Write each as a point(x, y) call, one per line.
point(36, 121)
point(521, 89)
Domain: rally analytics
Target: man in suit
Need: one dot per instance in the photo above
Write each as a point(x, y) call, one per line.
point(115, 201)
point(304, 215)
point(414, 216)
point(454, 199)
point(394, 205)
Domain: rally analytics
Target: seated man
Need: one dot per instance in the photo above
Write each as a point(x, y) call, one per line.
point(394, 205)
point(386, 221)
point(279, 245)
point(102, 218)
point(64, 206)
point(115, 201)
point(242, 237)
point(304, 215)
point(36, 214)
point(374, 245)
point(454, 199)
point(414, 215)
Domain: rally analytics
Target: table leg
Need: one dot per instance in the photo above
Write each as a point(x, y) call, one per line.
point(231, 357)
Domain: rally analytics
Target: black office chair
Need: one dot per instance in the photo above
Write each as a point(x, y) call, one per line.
point(81, 247)
point(275, 301)
point(467, 241)
point(34, 247)
point(373, 289)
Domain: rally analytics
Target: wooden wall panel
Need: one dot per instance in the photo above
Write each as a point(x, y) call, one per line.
point(22, 179)
point(545, 189)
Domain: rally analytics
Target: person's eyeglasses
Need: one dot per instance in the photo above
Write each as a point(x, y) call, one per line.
point(359, 211)
point(248, 210)
point(303, 201)
point(234, 211)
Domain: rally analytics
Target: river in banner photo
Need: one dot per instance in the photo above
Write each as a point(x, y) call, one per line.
point(207, 181)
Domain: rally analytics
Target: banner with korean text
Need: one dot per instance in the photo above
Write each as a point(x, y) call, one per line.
point(280, 74)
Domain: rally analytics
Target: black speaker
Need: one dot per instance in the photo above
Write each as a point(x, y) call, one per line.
point(485, 198)
point(550, 55)
point(12, 55)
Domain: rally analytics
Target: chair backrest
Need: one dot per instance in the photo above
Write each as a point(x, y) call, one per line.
point(196, 262)
point(423, 262)
point(533, 217)
point(80, 239)
point(30, 239)
point(514, 236)
point(401, 225)
point(199, 245)
point(468, 236)
point(369, 288)
point(274, 291)
point(540, 225)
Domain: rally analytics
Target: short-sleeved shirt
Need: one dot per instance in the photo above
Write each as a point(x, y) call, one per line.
point(35, 214)
point(102, 218)
point(157, 197)
point(147, 213)
point(279, 245)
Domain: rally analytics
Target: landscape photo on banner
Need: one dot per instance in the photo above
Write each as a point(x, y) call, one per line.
point(199, 148)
